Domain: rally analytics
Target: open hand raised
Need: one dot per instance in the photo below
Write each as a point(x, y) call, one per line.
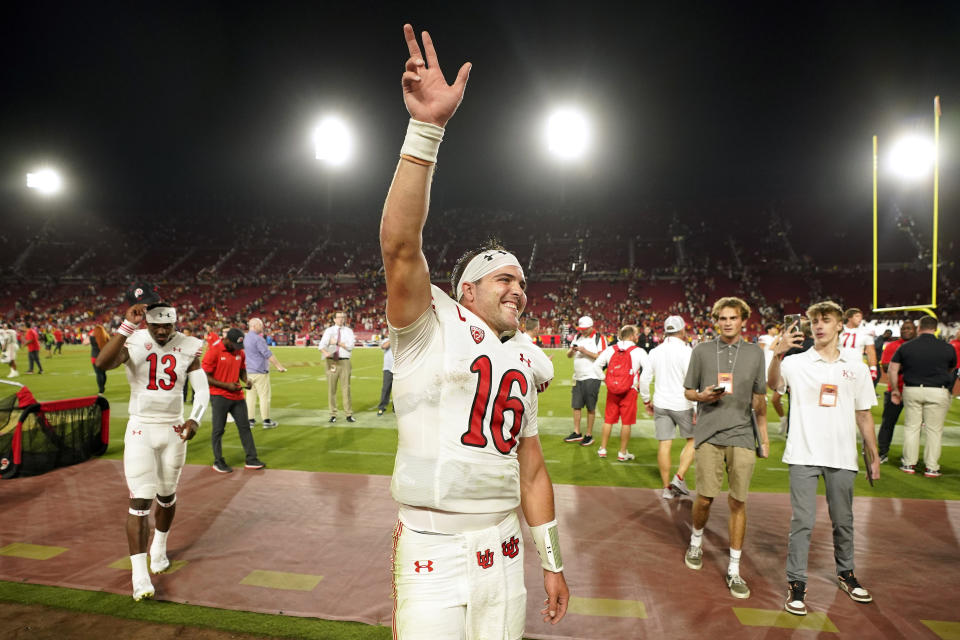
point(425, 91)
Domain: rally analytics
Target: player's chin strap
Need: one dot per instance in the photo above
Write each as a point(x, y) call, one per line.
point(547, 538)
point(201, 394)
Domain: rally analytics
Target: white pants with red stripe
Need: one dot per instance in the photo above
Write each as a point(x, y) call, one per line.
point(465, 586)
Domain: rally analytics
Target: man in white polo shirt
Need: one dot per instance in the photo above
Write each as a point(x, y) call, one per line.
point(670, 408)
point(831, 396)
point(586, 378)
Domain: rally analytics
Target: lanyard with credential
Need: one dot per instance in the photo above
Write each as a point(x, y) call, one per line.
point(734, 365)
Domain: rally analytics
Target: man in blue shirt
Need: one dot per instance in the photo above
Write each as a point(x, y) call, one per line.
point(259, 358)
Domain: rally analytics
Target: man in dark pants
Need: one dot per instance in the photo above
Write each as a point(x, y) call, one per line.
point(891, 412)
point(387, 385)
point(225, 366)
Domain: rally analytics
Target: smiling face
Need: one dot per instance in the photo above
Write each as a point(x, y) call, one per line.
point(498, 298)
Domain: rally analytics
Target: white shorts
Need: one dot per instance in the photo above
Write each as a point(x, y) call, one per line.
point(465, 586)
point(153, 455)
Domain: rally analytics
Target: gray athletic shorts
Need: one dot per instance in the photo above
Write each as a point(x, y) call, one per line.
point(585, 394)
point(666, 422)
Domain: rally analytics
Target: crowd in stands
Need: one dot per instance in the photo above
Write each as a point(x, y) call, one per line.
point(294, 274)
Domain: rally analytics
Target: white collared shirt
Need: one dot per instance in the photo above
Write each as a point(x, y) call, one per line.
point(825, 436)
point(330, 338)
point(668, 364)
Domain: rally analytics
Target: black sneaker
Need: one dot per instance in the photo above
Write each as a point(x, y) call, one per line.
point(333, 419)
point(849, 583)
point(253, 423)
point(270, 424)
point(796, 590)
point(883, 458)
point(587, 441)
point(351, 419)
point(573, 437)
point(222, 467)
point(255, 465)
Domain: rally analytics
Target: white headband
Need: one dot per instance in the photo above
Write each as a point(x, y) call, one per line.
point(162, 315)
point(486, 263)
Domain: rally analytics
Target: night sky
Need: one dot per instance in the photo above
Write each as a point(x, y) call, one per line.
point(166, 108)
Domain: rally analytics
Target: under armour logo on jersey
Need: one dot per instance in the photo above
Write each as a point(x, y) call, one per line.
point(485, 559)
point(527, 361)
point(493, 254)
point(511, 547)
point(136, 433)
point(418, 565)
point(477, 334)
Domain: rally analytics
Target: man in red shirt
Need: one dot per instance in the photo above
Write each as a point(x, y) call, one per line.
point(226, 369)
point(891, 411)
point(58, 339)
point(32, 339)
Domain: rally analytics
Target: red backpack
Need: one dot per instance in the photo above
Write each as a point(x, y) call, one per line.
point(620, 370)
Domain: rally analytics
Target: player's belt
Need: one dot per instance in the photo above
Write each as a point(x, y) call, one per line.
point(927, 386)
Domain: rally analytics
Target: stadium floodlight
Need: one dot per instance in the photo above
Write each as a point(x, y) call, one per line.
point(567, 133)
point(912, 157)
point(332, 141)
point(45, 181)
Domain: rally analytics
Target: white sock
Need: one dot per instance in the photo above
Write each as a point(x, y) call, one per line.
point(139, 564)
point(696, 538)
point(159, 546)
point(734, 568)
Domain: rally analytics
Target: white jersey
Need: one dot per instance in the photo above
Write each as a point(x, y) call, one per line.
point(854, 341)
point(540, 364)
point(462, 400)
point(8, 341)
point(585, 368)
point(157, 374)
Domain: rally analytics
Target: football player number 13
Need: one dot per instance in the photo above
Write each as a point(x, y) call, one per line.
point(169, 364)
point(502, 402)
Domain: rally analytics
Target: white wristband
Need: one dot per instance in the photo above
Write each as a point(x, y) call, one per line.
point(547, 538)
point(422, 141)
point(126, 328)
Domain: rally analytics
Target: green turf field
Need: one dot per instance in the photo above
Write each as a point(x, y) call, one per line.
point(306, 441)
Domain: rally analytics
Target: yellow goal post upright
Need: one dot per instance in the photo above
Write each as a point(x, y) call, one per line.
point(926, 308)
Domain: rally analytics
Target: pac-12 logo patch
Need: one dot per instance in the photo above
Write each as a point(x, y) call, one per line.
point(148, 346)
point(477, 334)
point(511, 547)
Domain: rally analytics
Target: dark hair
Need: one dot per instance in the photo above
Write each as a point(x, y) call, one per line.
point(158, 304)
point(491, 243)
point(849, 313)
point(770, 325)
point(928, 323)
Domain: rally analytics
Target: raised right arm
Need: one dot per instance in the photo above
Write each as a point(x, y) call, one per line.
point(114, 353)
point(431, 103)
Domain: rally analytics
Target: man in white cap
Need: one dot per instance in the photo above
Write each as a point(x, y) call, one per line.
point(587, 377)
point(468, 453)
point(670, 408)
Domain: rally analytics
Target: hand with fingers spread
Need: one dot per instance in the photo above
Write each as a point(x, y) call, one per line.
point(425, 91)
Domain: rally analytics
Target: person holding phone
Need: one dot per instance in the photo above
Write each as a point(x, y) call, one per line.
point(726, 378)
point(832, 394)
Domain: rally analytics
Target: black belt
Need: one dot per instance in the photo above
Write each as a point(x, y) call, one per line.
point(337, 359)
point(927, 386)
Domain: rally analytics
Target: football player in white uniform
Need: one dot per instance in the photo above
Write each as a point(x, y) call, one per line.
point(8, 348)
point(857, 340)
point(158, 361)
point(468, 451)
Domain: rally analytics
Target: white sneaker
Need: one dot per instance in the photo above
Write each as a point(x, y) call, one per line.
point(623, 457)
point(602, 452)
point(13, 373)
point(679, 486)
point(159, 564)
point(143, 590)
point(667, 493)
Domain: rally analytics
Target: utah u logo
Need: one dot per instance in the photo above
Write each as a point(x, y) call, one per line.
point(511, 547)
point(485, 559)
point(476, 333)
point(428, 565)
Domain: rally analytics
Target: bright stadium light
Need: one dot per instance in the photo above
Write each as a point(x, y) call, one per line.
point(332, 141)
point(568, 134)
point(45, 181)
point(912, 157)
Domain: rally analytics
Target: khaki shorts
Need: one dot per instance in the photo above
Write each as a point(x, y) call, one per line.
point(711, 463)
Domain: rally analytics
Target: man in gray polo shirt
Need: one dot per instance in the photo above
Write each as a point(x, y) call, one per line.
point(727, 378)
